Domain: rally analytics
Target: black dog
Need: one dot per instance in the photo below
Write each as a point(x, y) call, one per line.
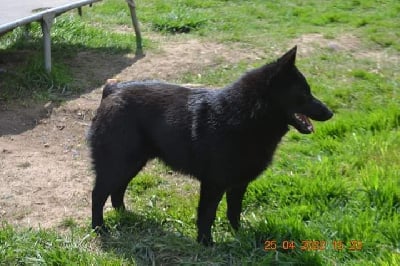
point(225, 137)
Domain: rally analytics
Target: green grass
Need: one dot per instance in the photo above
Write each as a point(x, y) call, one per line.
point(70, 35)
point(338, 185)
point(258, 22)
point(47, 247)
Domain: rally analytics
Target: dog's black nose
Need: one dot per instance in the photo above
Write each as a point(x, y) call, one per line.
point(317, 110)
point(328, 114)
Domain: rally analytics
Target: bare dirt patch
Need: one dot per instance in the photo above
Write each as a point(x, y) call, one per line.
point(45, 167)
point(184, 55)
point(309, 43)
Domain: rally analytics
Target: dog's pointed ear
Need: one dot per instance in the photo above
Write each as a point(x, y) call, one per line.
point(289, 58)
point(283, 64)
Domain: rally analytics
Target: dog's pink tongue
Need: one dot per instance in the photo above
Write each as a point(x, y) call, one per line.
point(306, 121)
point(309, 124)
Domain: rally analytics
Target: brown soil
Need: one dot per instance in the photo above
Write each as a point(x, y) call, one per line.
point(45, 167)
point(308, 43)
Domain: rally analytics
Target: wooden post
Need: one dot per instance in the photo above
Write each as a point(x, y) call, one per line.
point(132, 7)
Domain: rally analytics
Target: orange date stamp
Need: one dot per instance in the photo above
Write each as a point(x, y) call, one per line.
point(313, 245)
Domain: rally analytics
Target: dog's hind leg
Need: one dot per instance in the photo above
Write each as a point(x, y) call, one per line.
point(117, 196)
point(99, 197)
point(234, 197)
point(210, 196)
point(112, 178)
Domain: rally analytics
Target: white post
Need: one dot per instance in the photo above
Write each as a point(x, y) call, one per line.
point(46, 24)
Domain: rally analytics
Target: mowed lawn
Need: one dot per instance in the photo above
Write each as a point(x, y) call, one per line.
point(330, 198)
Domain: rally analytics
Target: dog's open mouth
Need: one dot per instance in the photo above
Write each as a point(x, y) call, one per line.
point(302, 123)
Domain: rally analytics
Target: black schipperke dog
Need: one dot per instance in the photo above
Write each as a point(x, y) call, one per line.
point(223, 137)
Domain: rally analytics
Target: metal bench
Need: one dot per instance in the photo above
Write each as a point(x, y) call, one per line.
point(14, 13)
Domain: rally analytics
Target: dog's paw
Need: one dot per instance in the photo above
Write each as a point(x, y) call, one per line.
point(205, 241)
point(101, 230)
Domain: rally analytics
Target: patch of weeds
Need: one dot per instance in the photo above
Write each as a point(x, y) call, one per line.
point(362, 22)
point(383, 39)
point(72, 33)
point(179, 20)
point(69, 223)
point(380, 194)
point(362, 74)
point(33, 81)
point(143, 182)
point(15, 38)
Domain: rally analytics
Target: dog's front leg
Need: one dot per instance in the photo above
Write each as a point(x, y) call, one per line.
point(234, 198)
point(210, 196)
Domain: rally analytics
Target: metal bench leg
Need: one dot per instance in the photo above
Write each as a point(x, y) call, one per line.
point(46, 24)
point(132, 7)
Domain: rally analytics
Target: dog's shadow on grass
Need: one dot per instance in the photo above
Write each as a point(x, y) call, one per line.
point(146, 240)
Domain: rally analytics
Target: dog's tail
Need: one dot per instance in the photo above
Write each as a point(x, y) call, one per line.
point(109, 88)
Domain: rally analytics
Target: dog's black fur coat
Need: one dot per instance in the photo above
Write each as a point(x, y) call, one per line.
point(225, 138)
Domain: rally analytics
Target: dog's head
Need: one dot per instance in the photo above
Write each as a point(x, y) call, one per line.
point(290, 95)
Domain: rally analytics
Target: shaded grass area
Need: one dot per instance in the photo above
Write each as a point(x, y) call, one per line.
point(22, 65)
point(339, 187)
